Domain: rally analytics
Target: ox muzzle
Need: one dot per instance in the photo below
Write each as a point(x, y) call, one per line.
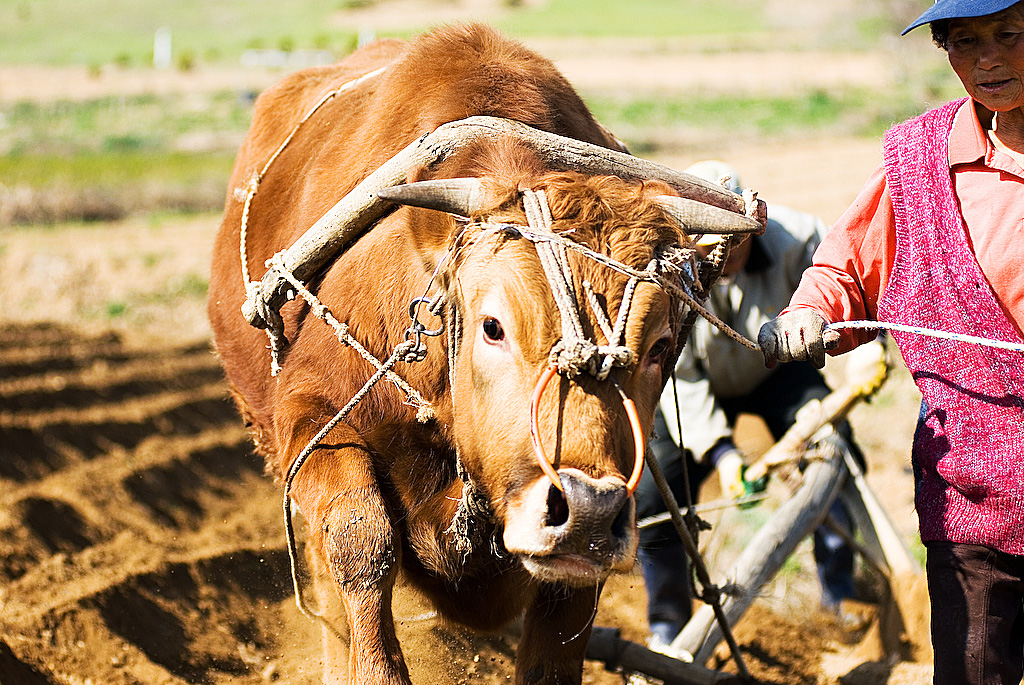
point(577, 534)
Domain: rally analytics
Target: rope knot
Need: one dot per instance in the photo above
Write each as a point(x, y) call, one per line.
point(573, 356)
point(411, 351)
point(612, 356)
point(575, 353)
point(416, 353)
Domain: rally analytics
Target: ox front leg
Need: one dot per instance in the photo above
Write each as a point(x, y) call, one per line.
point(555, 633)
point(352, 534)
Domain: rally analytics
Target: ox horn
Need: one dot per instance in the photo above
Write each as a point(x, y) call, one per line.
point(698, 217)
point(461, 196)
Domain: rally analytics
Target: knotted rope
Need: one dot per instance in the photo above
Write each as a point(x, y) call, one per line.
point(293, 554)
point(252, 288)
point(656, 274)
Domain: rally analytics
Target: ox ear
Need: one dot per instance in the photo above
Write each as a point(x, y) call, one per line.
point(698, 217)
point(461, 196)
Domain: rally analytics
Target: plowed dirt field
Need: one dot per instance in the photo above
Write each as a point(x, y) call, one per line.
point(141, 543)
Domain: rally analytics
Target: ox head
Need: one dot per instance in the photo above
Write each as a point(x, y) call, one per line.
point(561, 488)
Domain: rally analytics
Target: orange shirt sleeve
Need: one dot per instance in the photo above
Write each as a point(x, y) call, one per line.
point(851, 266)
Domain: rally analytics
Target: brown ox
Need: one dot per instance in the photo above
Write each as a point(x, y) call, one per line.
point(459, 503)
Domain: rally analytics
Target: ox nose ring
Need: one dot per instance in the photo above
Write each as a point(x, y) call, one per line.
point(538, 448)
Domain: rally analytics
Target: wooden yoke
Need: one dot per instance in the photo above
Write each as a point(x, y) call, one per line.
point(362, 208)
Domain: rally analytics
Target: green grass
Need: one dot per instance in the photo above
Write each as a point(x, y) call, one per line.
point(133, 142)
point(655, 18)
point(113, 141)
point(93, 32)
point(115, 168)
point(851, 112)
point(124, 152)
point(112, 185)
point(121, 124)
point(115, 308)
point(149, 153)
point(98, 32)
point(768, 115)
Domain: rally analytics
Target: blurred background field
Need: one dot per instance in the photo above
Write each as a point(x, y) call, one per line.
point(90, 129)
point(131, 111)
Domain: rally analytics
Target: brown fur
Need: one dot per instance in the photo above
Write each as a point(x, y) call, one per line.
point(382, 490)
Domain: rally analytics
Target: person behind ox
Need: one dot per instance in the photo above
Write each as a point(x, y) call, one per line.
point(716, 379)
point(935, 240)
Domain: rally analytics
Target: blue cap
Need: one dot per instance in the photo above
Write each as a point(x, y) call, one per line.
point(954, 9)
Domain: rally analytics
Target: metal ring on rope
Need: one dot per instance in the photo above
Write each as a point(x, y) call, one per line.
point(538, 449)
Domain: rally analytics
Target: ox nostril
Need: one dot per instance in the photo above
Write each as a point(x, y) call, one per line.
point(623, 523)
point(557, 508)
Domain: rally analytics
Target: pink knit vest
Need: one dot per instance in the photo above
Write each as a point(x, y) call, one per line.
point(969, 446)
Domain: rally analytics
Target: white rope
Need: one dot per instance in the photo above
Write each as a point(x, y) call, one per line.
point(257, 176)
point(604, 260)
point(575, 352)
point(928, 332)
point(687, 269)
point(252, 288)
point(862, 325)
point(627, 300)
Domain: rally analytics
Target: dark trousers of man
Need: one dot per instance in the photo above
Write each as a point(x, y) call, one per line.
point(663, 559)
point(977, 614)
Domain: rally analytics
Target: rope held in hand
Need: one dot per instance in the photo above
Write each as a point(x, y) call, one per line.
point(929, 332)
point(883, 325)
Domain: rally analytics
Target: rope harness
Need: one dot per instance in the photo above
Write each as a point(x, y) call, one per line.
point(574, 354)
point(252, 287)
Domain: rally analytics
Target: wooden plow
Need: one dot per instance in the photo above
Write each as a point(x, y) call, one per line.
point(828, 472)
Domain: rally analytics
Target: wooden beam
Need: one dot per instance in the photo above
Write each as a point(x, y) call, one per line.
point(764, 555)
point(607, 646)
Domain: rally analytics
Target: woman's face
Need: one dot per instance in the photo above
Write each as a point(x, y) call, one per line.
point(987, 53)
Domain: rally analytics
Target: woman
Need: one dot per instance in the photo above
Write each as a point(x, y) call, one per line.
point(936, 239)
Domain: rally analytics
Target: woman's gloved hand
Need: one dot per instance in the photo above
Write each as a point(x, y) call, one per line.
point(794, 337)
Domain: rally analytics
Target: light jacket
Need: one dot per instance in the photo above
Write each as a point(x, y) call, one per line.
point(712, 365)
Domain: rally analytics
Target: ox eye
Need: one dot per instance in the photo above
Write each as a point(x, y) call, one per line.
point(493, 330)
point(658, 350)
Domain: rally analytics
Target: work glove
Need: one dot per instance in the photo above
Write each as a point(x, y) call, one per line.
point(796, 336)
point(731, 476)
point(866, 366)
